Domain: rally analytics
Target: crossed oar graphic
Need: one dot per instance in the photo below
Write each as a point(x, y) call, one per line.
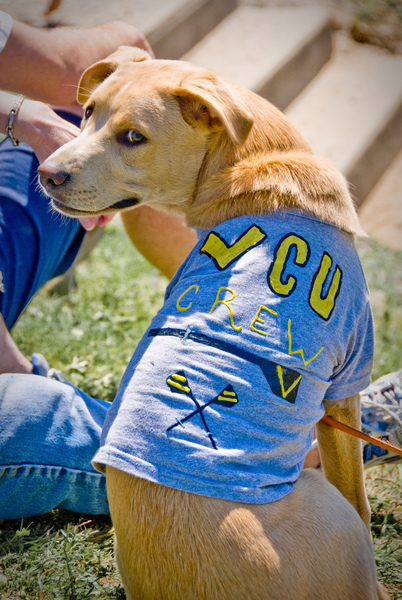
point(178, 383)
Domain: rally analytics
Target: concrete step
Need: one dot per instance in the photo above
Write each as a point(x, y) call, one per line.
point(381, 212)
point(352, 112)
point(187, 27)
point(272, 51)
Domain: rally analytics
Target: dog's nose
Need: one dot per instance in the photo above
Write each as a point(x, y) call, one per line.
point(52, 177)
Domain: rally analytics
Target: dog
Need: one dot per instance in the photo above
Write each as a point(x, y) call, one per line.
point(265, 326)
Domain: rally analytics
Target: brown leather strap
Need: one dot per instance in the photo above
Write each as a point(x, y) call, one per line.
point(359, 434)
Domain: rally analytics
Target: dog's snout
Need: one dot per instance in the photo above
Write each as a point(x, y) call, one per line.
point(51, 177)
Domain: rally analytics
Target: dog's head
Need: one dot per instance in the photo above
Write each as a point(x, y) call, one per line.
point(180, 138)
point(147, 127)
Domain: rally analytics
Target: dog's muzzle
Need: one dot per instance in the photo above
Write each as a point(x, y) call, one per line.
point(53, 181)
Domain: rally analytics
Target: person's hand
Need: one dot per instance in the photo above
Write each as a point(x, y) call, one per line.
point(120, 33)
point(47, 64)
point(100, 41)
point(42, 129)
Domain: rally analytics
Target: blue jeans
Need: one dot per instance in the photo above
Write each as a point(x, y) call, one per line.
point(49, 432)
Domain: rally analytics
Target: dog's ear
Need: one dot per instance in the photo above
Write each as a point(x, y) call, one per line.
point(98, 72)
point(209, 102)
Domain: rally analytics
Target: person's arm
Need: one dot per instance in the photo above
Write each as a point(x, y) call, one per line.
point(11, 358)
point(36, 124)
point(46, 64)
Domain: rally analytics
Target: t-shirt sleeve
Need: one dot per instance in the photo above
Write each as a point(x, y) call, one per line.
point(353, 375)
point(6, 24)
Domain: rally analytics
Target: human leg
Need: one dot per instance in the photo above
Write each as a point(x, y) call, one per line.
point(162, 238)
point(49, 431)
point(49, 434)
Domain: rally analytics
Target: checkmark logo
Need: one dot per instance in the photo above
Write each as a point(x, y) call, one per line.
point(224, 254)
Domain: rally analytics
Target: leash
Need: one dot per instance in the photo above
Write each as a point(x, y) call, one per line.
point(359, 434)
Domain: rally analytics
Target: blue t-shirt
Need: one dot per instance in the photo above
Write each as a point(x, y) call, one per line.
point(6, 24)
point(36, 243)
point(265, 319)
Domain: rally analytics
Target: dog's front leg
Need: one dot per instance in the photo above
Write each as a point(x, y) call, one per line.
point(341, 454)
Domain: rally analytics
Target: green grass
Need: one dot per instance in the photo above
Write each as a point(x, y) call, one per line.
point(384, 487)
point(59, 556)
point(383, 269)
point(90, 336)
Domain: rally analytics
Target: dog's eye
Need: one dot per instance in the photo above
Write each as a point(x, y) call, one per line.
point(133, 137)
point(88, 111)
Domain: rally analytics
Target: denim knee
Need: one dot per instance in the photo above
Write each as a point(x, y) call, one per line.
point(49, 432)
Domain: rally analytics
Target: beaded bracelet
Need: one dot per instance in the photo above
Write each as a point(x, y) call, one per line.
point(10, 125)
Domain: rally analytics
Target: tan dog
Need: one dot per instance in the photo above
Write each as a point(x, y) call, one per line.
point(181, 139)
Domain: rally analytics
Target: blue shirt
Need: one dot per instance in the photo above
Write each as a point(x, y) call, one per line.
point(36, 243)
point(265, 319)
point(6, 24)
